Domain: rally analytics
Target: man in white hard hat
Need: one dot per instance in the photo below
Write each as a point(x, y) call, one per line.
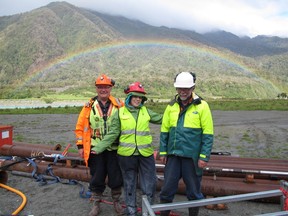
point(186, 141)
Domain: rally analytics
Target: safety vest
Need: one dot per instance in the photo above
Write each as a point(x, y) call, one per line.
point(83, 129)
point(135, 134)
point(98, 125)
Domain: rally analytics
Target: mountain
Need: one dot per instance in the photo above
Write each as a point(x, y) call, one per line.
point(61, 48)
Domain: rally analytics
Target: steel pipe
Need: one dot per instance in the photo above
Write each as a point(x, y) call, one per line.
point(225, 175)
point(56, 147)
point(3, 177)
point(221, 186)
point(80, 173)
point(29, 151)
point(224, 186)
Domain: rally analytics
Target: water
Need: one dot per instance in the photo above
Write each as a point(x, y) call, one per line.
point(24, 103)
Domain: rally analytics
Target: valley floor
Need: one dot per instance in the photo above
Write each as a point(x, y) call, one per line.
point(242, 133)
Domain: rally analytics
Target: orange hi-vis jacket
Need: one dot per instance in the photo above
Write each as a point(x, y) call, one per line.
point(83, 130)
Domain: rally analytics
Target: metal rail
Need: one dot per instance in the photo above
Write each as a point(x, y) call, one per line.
point(148, 209)
point(281, 213)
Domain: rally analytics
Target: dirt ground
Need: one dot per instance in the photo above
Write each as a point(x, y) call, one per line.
point(242, 133)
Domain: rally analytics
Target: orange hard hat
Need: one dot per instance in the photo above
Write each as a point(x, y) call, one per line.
point(135, 87)
point(104, 80)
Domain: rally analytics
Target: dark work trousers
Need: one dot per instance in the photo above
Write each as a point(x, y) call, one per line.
point(175, 169)
point(101, 166)
point(131, 166)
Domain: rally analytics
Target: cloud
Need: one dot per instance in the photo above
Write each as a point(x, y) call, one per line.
point(241, 17)
point(10, 7)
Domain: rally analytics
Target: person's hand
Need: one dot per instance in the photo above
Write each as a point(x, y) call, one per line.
point(202, 164)
point(81, 152)
point(163, 159)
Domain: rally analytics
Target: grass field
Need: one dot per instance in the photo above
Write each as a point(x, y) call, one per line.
point(224, 105)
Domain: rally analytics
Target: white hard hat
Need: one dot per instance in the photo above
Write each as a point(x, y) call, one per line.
point(184, 80)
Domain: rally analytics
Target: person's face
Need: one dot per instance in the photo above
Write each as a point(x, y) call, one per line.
point(135, 101)
point(103, 91)
point(184, 93)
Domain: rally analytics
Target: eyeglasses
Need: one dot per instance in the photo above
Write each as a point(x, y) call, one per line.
point(103, 87)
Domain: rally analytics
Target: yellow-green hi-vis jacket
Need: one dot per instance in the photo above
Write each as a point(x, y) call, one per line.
point(187, 133)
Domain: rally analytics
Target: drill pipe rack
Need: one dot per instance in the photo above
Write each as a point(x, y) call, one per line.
point(239, 176)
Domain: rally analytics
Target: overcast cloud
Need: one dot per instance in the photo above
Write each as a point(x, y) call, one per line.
point(240, 17)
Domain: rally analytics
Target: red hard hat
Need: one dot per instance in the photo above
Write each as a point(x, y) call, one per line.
point(135, 87)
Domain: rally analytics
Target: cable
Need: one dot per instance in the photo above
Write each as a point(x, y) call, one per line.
point(24, 199)
point(11, 164)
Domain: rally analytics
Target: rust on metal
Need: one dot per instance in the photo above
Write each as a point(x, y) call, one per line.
point(3, 177)
point(56, 147)
point(29, 151)
point(225, 175)
point(80, 173)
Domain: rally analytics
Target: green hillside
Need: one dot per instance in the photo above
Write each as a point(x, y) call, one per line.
point(60, 49)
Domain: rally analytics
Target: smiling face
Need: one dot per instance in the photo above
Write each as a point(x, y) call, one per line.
point(184, 93)
point(135, 101)
point(103, 92)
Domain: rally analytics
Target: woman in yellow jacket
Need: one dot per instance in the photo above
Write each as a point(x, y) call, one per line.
point(135, 150)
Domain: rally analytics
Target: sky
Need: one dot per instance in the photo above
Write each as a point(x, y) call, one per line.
point(240, 17)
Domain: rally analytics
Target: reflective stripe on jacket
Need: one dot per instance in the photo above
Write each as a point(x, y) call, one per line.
point(83, 130)
point(135, 133)
point(188, 133)
point(99, 126)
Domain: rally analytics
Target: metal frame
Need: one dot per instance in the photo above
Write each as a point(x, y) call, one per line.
point(282, 213)
point(149, 210)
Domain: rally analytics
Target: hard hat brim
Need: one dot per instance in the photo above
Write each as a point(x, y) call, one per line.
point(138, 94)
point(183, 86)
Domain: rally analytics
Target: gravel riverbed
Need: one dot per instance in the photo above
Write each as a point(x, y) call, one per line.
point(242, 133)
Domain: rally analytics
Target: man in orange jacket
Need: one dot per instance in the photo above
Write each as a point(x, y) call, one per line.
point(92, 125)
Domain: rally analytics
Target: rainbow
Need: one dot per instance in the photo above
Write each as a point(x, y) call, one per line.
point(38, 72)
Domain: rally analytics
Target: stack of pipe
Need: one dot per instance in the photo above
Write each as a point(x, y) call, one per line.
point(228, 175)
point(79, 172)
point(225, 175)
